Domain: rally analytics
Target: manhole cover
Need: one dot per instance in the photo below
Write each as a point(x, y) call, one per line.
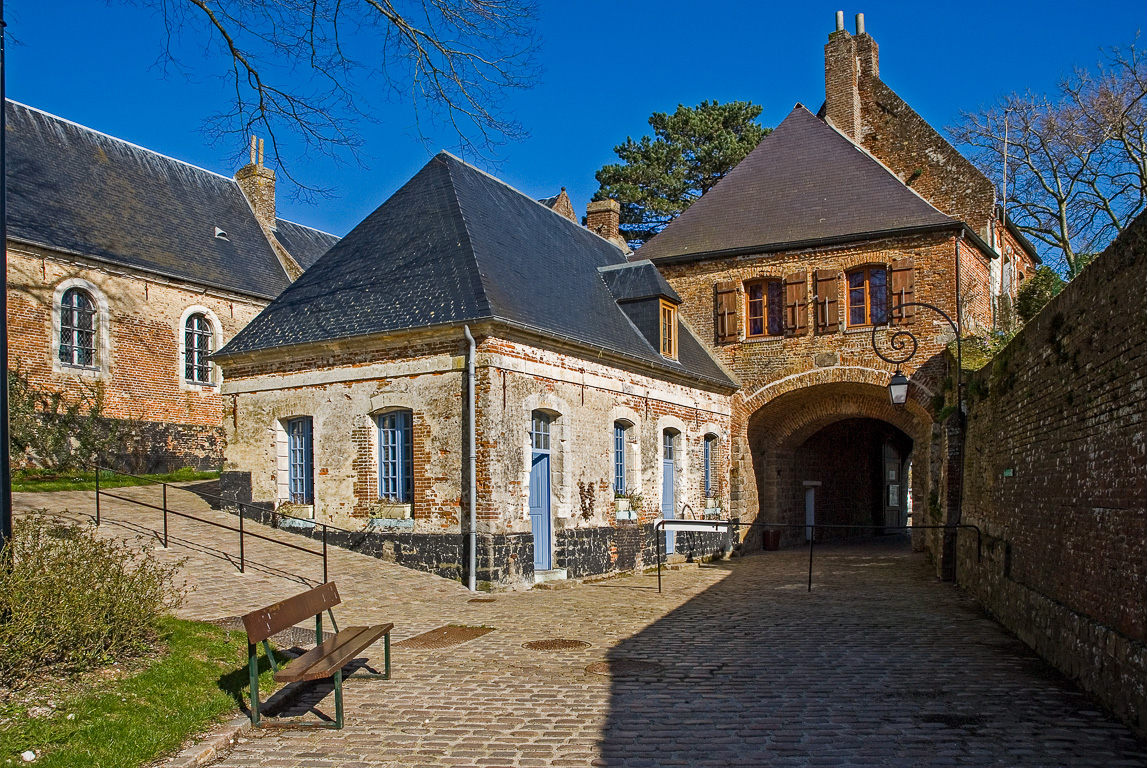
point(555, 645)
point(482, 600)
point(623, 667)
point(444, 637)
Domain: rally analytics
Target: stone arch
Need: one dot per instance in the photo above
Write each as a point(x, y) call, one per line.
point(853, 402)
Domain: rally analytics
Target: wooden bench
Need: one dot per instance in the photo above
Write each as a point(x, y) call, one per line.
point(326, 659)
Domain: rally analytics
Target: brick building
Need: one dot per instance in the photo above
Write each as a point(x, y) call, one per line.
point(351, 397)
point(127, 269)
point(789, 264)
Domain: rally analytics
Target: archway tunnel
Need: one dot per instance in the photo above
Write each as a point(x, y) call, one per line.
point(839, 454)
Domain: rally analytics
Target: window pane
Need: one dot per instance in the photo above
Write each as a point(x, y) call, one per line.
point(619, 458)
point(877, 296)
point(395, 456)
point(708, 467)
point(77, 328)
point(756, 312)
point(855, 304)
point(776, 308)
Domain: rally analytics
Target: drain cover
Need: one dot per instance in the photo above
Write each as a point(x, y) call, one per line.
point(482, 600)
point(444, 637)
point(623, 667)
point(555, 645)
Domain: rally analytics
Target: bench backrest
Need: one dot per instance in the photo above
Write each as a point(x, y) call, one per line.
point(265, 622)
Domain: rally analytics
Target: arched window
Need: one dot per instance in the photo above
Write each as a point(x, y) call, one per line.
point(619, 463)
point(868, 296)
point(710, 458)
point(395, 457)
point(198, 343)
point(78, 326)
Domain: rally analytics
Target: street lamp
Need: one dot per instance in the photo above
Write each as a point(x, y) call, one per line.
point(898, 388)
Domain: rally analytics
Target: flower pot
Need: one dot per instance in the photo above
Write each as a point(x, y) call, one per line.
point(626, 514)
point(622, 505)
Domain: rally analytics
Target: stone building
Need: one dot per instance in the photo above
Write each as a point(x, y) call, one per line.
point(351, 400)
point(128, 269)
point(789, 264)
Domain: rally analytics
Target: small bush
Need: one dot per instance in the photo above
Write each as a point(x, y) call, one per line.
point(70, 599)
point(1037, 291)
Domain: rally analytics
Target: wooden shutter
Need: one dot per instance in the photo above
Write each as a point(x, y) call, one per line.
point(827, 309)
point(796, 304)
point(903, 286)
point(727, 320)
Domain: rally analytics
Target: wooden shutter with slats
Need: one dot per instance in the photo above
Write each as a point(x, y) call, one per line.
point(796, 304)
point(827, 308)
point(727, 321)
point(903, 286)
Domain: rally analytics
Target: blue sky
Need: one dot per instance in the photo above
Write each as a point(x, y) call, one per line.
point(608, 66)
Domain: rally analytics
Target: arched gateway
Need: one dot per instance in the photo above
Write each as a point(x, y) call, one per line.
point(834, 450)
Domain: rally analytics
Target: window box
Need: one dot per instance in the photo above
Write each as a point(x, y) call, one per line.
point(622, 505)
point(712, 501)
point(390, 510)
point(388, 523)
point(626, 514)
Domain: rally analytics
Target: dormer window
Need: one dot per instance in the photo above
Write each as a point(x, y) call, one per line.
point(668, 330)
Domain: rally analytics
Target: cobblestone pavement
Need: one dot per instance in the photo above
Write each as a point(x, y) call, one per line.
point(881, 665)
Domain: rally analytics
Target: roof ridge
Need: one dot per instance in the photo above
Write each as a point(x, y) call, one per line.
point(475, 267)
point(532, 199)
point(118, 140)
point(877, 160)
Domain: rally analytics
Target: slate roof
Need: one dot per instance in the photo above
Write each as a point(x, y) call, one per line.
point(805, 182)
point(637, 280)
point(305, 244)
point(456, 245)
point(76, 190)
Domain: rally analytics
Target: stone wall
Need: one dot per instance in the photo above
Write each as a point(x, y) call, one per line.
point(342, 389)
point(1056, 479)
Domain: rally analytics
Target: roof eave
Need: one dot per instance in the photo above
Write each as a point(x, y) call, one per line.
point(797, 245)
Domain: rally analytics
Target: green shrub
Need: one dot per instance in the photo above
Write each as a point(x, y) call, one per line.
point(72, 600)
point(57, 431)
point(1037, 291)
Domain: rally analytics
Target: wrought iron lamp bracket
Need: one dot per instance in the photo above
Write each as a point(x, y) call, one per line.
point(903, 339)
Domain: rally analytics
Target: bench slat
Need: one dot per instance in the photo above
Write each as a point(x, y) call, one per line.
point(332, 654)
point(265, 622)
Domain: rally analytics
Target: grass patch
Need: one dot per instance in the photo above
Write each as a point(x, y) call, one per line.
point(197, 678)
point(41, 482)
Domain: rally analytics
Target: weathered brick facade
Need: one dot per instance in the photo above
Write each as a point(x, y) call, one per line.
point(1056, 479)
point(344, 390)
point(167, 421)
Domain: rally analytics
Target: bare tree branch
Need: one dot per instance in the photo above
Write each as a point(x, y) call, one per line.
point(312, 70)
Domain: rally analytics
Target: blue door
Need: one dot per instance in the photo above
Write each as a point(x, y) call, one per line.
point(540, 510)
point(668, 491)
point(540, 522)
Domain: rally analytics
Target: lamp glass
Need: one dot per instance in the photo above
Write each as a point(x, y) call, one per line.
point(898, 388)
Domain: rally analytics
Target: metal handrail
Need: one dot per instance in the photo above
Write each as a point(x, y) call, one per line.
point(241, 530)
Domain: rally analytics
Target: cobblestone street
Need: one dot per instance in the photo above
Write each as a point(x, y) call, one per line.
point(881, 665)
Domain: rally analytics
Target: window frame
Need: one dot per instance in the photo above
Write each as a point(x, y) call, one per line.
point(767, 317)
point(541, 427)
point(195, 359)
point(396, 485)
point(709, 443)
point(866, 270)
point(667, 323)
point(73, 329)
point(305, 431)
point(620, 462)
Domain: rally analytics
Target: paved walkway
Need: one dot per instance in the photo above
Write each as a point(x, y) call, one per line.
point(880, 665)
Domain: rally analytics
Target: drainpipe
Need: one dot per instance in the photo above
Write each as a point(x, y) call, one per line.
point(473, 398)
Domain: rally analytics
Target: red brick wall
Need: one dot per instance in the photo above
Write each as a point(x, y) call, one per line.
point(143, 377)
point(1056, 478)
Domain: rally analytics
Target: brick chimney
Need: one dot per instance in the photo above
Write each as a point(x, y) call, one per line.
point(604, 218)
point(258, 184)
point(848, 60)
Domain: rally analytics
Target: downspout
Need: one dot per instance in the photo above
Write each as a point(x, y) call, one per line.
point(472, 436)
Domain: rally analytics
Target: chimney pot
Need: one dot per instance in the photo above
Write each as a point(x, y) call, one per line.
point(258, 185)
point(840, 21)
point(603, 217)
point(860, 24)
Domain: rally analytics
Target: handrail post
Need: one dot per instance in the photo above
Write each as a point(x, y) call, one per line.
point(242, 554)
point(657, 540)
point(165, 516)
point(811, 539)
point(325, 579)
point(97, 495)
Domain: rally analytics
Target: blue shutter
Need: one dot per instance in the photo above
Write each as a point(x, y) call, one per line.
point(618, 458)
point(708, 467)
point(395, 456)
point(300, 457)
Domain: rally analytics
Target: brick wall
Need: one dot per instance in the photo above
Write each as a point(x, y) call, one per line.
point(140, 366)
point(1056, 478)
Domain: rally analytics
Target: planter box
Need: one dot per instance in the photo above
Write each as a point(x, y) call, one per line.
point(621, 505)
point(384, 523)
point(711, 502)
point(294, 522)
point(626, 514)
